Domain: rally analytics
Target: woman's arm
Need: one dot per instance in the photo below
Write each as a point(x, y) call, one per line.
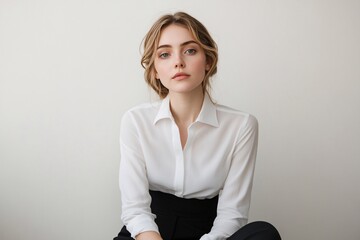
point(234, 199)
point(150, 235)
point(134, 185)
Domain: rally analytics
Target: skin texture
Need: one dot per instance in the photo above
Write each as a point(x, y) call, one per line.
point(178, 53)
point(180, 65)
point(148, 236)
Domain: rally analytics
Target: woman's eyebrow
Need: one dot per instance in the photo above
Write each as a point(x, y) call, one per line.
point(182, 44)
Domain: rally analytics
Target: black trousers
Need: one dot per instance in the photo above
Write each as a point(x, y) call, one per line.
point(189, 219)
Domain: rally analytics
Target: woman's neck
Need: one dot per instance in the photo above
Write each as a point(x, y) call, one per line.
point(185, 108)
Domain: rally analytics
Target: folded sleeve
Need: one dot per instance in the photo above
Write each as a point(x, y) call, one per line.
point(234, 198)
point(134, 186)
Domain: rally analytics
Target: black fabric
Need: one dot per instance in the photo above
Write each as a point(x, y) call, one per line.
point(189, 219)
point(180, 218)
point(256, 231)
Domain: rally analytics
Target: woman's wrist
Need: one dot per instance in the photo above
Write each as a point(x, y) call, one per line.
point(149, 235)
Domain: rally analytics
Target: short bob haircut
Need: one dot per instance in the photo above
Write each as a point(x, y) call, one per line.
point(201, 36)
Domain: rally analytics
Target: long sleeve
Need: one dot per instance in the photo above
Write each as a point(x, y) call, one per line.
point(218, 159)
point(234, 199)
point(134, 186)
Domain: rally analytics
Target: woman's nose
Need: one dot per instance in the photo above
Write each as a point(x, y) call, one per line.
point(179, 62)
point(179, 65)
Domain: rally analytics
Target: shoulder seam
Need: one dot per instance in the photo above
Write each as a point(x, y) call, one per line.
point(226, 109)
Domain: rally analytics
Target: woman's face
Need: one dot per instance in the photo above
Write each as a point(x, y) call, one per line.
point(180, 63)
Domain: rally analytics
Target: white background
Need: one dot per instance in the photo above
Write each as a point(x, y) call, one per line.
point(69, 69)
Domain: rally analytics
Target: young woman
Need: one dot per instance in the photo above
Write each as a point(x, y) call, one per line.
point(187, 164)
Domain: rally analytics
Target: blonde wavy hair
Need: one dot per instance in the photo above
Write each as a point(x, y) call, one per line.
point(201, 36)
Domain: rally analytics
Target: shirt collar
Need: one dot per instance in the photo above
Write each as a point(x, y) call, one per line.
point(164, 110)
point(207, 115)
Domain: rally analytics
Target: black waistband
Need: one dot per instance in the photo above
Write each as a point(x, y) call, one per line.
point(170, 204)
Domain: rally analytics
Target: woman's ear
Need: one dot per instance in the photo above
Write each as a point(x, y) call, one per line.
point(207, 66)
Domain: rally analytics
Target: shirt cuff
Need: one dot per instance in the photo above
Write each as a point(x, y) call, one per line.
point(222, 230)
point(141, 224)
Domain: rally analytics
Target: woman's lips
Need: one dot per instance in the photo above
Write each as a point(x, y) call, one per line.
point(180, 76)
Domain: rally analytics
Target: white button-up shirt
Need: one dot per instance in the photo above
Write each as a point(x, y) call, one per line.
point(218, 159)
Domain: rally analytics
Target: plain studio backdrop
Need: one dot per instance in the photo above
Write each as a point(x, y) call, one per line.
point(70, 69)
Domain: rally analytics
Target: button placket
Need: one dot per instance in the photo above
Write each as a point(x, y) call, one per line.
point(179, 161)
point(187, 151)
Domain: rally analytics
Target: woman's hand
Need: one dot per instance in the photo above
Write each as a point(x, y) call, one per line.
point(150, 235)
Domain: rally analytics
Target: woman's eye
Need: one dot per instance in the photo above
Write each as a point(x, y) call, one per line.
point(164, 55)
point(190, 51)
